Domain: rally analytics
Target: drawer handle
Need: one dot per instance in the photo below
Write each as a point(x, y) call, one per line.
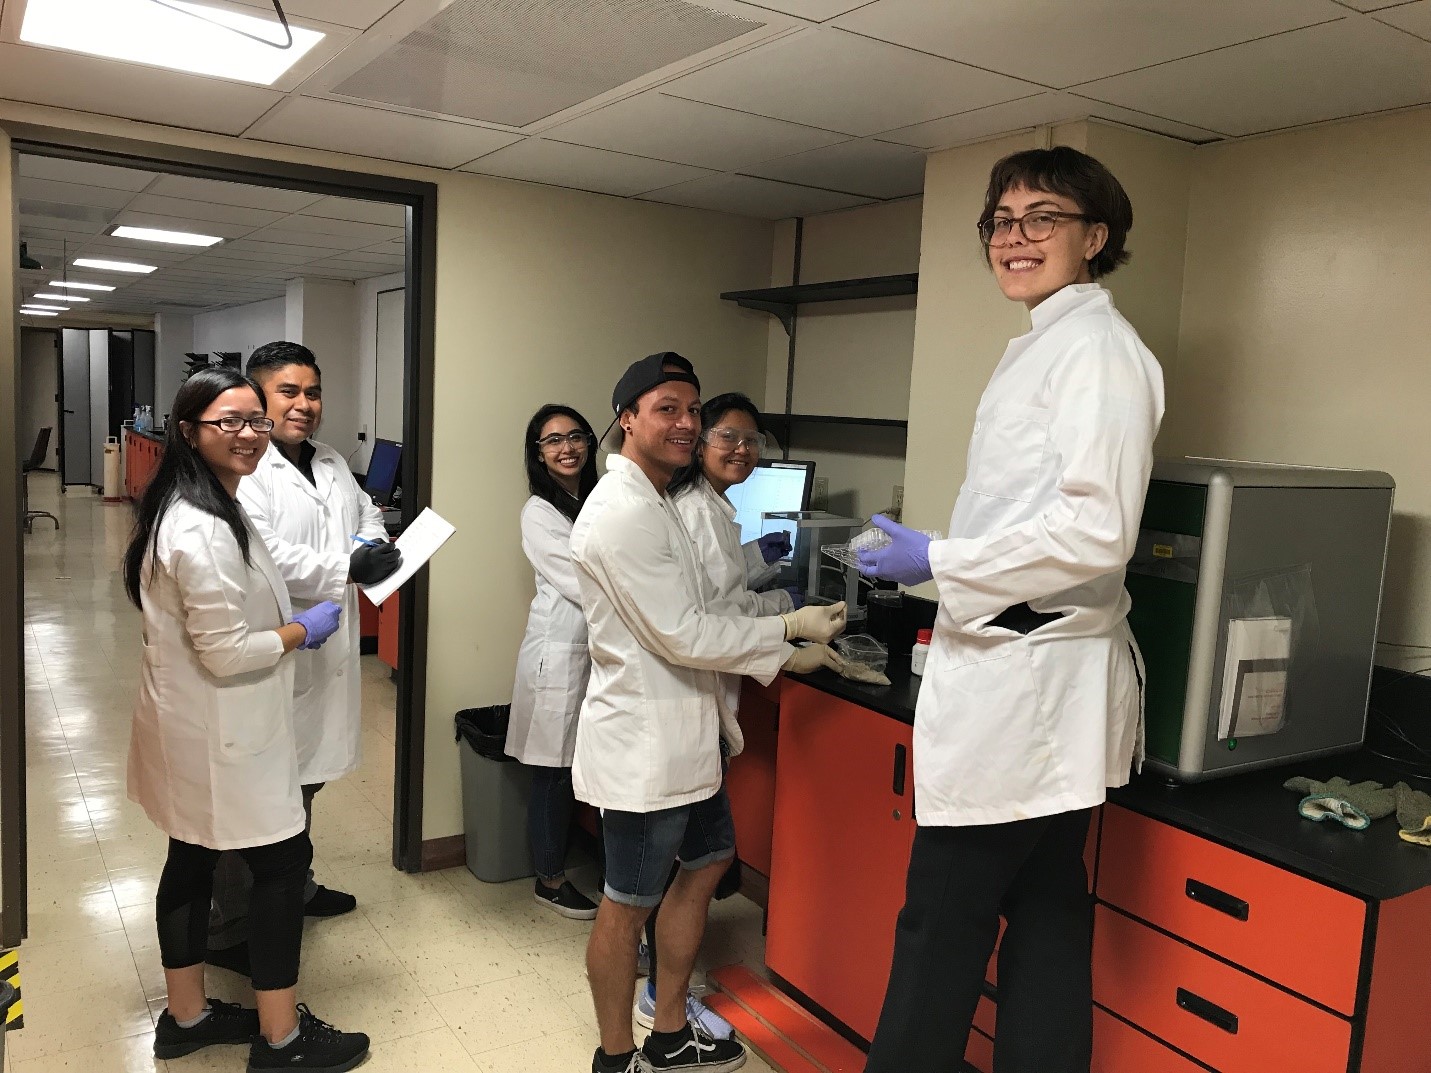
point(900, 753)
point(1217, 899)
point(1210, 1012)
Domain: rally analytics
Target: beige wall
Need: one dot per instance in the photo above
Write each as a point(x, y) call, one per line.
point(541, 294)
point(1306, 318)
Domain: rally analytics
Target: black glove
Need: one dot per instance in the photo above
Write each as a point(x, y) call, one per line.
point(369, 565)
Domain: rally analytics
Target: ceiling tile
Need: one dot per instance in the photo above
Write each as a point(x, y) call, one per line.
point(814, 10)
point(350, 128)
point(357, 13)
point(200, 211)
point(177, 223)
point(836, 80)
point(1033, 112)
point(583, 168)
point(247, 249)
point(685, 132)
point(745, 196)
point(355, 232)
point(1057, 43)
point(48, 190)
point(287, 233)
point(84, 173)
point(1413, 18)
point(1324, 72)
point(108, 87)
point(225, 193)
point(347, 208)
point(871, 168)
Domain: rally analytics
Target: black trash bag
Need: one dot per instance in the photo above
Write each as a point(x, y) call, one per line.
point(485, 729)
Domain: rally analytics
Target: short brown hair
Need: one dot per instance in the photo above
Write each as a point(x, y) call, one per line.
point(1071, 174)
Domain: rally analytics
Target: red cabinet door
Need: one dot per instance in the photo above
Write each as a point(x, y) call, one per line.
point(842, 838)
point(388, 630)
point(750, 781)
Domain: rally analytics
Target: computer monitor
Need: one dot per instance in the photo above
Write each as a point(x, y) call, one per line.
point(772, 486)
point(383, 471)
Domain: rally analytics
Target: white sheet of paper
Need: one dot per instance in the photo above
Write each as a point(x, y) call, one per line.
point(1258, 650)
point(419, 542)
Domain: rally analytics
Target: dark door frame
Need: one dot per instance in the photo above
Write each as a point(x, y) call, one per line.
point(420, 199)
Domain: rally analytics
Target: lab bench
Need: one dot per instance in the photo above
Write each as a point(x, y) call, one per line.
point(1230, 934)
point(142, 454)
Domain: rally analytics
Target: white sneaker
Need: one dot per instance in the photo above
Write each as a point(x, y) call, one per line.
point(697, 1013)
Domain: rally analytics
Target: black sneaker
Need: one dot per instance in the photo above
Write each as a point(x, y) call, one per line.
point(319, 1048)
point(233, 958)
point(694, 1049)
point(226, 1023)
point(565, 900)
point(327, 902)
point(635, 1064)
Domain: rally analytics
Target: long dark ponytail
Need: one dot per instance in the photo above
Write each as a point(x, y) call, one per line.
point(185, 475)
point(540, 480)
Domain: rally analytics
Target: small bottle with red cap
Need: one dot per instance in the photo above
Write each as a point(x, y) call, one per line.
point(920, 652)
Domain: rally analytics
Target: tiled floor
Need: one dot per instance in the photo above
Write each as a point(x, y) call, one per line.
point(444, 972)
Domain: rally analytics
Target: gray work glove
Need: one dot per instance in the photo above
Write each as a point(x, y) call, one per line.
point(1352, 805)
point(1413, 813)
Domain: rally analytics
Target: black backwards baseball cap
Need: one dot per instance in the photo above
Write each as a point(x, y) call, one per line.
point(640, 377)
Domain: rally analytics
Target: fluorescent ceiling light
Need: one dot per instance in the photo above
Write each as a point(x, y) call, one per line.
point(115, 266)
point(173, 238)
point(37, 313)
point(145, 32)
point(48, 311)
point(81, 286)
point(61, 298)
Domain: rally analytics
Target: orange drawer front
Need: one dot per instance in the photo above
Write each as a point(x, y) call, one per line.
point(1296, 931)
point(986, 1015)
point(1220, 1015)
point(980, 1052)
point(1120, 1048)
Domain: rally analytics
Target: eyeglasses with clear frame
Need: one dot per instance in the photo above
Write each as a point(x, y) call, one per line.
point(731, 439)
point(1036, 226)
point(234, 423)
point(556, 439)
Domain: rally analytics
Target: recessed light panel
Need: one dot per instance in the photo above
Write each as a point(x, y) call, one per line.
point(37, 313)
point(61, 298)
point(115, 266)
point(43, 311)
point(172, 238)
point(177, 34)
point(81, 286)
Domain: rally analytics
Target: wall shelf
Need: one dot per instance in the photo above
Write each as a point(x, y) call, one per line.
point(781, 302)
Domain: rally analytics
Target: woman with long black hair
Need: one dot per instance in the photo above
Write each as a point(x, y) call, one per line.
point(212, 759)
point(552, 664)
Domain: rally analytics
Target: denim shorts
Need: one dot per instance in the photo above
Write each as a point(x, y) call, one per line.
point(641, 847)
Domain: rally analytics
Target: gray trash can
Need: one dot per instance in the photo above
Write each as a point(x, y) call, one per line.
point(495, 792)
point(8, 994)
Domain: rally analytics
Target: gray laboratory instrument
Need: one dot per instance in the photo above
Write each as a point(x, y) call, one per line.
point(1256, 590)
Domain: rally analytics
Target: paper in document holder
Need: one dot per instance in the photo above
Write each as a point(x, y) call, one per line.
point(1254, 677)
point(419, 542)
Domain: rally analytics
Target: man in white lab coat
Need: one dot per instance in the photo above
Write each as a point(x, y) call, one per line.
point(324, 533)
point(1030, 705)
point(648, 737)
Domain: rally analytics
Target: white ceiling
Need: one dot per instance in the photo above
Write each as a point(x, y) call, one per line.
point(798, 107)
point(270, 236)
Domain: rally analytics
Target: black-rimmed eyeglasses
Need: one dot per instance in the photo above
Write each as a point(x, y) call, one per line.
point(1036, 226)
point(234, 423)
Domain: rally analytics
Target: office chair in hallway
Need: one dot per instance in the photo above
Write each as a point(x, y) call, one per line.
point(37, 455)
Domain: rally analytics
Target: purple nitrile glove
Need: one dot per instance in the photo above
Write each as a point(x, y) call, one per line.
point(321, 622)
point(905, 559)
point(797, 598)
point(774, 546)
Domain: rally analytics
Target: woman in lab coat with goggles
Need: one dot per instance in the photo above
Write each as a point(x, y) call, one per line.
point(212, 758)
point(559, 449)
point(1030, 705)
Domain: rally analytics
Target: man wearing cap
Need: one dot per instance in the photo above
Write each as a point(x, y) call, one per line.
point(647, 741)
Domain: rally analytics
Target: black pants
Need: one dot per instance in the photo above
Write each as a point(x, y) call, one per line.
point(280, 871)
point(961, 880)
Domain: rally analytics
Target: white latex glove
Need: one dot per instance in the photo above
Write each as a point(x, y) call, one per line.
point(815, 622)
point(812, 658)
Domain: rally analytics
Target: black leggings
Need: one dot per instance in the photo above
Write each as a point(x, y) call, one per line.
point(280, 871)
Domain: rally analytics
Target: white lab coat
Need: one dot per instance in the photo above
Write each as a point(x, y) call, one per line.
point(308, 529)
point(552, 664)
point(648, 735)
point(211, 751)
point(1010, 727)
point(710, 519)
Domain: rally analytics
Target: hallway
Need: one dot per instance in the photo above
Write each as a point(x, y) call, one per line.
point(443, 971)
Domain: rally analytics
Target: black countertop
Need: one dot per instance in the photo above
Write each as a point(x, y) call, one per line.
point(157, 437)
point(1251, 813)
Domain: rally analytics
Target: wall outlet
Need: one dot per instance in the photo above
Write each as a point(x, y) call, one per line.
point(363, 434)
point(820, 493)
point(898, 501)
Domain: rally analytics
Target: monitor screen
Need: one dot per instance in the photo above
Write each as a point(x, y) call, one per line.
point(773, 486)
point(383, 470)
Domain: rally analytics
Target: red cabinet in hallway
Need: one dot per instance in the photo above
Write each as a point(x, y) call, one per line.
point(844, 826)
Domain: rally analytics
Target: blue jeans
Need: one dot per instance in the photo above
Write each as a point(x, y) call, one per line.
point(549, 819)
point(641, 847)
